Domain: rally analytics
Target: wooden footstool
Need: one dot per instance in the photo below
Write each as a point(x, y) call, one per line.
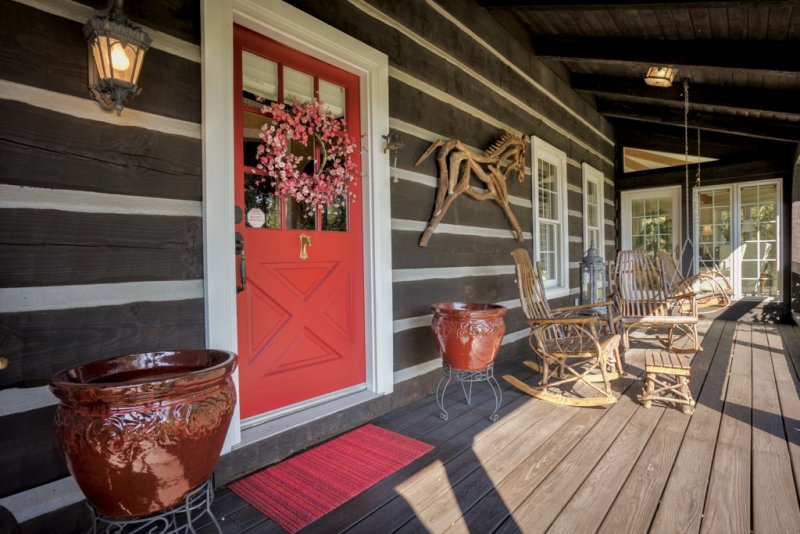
point(667, 373)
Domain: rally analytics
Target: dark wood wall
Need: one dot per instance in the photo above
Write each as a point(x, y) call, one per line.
point(100, 224)
point(119, 211)
point(438, 79)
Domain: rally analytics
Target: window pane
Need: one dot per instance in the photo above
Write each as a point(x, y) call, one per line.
point(259, 80)
point(297, 85)
point(333, 96)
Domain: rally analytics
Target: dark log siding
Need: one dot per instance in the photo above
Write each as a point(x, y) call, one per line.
point(41, 343)
point(41, 148)
point(49, 248)
point(76, 157)
point(30, 457)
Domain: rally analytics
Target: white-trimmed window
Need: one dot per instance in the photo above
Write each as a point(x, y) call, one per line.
point(593, 209)
point(550, 247)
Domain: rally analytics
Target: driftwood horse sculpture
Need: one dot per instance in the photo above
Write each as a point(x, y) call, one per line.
point(457, 164)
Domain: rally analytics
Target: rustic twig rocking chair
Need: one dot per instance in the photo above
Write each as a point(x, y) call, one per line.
point(645, 301)
point(712, 288)
point(573, 348)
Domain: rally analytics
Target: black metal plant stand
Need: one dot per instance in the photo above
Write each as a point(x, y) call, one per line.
point(178, 520)
point(467, 378)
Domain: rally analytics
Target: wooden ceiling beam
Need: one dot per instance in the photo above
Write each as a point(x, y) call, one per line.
point(581, 5)
point(745, 126)
point(669, 138)
point(758, 56)
point(744, 98)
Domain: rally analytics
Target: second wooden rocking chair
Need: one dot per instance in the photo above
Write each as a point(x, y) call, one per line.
point(574, 349)
point(712, 289)
point(645, 301)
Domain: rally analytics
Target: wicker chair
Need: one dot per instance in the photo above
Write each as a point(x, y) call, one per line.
point(576, 344)
point(645, 301)
point(712, 289)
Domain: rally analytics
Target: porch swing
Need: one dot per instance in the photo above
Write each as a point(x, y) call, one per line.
point(712, 290)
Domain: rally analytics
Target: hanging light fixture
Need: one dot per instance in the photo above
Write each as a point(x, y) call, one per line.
point(660, 76)
point(116, 52)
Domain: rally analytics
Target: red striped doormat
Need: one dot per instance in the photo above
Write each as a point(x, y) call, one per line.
point(305, 487)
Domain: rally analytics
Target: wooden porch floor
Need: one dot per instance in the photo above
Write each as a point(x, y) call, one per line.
point(733, 466)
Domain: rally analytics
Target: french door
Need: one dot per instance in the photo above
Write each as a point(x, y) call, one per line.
point(300, 309)
point(738, 232)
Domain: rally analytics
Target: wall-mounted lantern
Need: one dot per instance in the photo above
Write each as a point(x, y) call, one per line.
point(593, 274)
point(116, 53)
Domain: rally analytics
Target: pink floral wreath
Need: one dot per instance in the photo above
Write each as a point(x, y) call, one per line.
point(327, 182)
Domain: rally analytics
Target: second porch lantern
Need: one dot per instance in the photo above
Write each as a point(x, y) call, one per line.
point(116, 52)
point(593, 271)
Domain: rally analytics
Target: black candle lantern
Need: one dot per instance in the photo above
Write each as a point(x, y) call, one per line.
point(593, 270)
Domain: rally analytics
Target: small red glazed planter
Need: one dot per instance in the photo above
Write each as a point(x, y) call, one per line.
point(468, 334)
point(141, 431)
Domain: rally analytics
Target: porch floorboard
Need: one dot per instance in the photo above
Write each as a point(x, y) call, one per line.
point(733, 466)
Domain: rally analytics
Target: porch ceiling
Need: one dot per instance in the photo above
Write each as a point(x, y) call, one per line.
point(739, 57)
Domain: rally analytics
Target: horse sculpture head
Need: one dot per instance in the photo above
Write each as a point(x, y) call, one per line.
point(509, 147)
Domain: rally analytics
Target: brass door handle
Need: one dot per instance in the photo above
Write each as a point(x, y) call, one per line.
point(305, 242)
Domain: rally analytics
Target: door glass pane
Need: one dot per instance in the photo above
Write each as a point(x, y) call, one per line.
point(252, 123)
point(759, 223)
point(297, 85)
point(259, 80)
point(262, 207)
point(333, 96)
point(714, 231)
point(334, 216)
point(296, 218)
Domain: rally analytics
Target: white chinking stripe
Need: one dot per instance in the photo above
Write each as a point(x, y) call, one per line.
point(399, 325)
point(413, 275)
point(84, 108)
point(18, 400)
point(80, 13)
point(407, 225)
point(30, 299)
point(42, 499)
point(379, 15)
point(39, 198)
point(516, 69)
point(432, 181)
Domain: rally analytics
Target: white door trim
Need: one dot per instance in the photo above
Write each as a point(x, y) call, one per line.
point(298, 30)
point(625, 200)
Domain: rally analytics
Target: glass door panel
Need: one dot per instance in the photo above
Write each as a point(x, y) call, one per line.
point(713, 236)
point(758, 235)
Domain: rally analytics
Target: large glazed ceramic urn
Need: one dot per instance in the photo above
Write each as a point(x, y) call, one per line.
point(468, 334)
point(140, 431)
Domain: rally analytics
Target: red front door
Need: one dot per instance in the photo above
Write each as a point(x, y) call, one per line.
point(301, 313)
